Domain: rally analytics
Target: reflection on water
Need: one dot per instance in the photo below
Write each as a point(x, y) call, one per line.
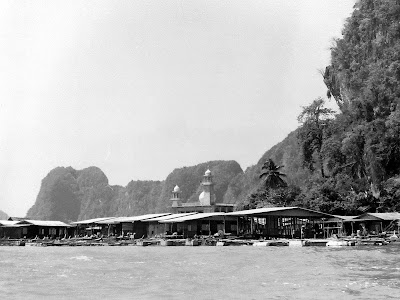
point(200, 272)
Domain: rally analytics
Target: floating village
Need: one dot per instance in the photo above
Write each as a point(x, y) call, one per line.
point(209, 223)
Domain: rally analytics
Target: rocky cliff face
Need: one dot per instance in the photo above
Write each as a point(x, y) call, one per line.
point(59, 197)
point(68, 195)
point(3, 215)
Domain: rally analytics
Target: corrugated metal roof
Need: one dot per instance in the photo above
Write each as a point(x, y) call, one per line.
point(258, 211)
point(91, 221)
point(8, 223)
point(383, 216)
point(45, 223)
point(340, 218)
point(272, 210)
point(387, 216)
point(168, 217)
point(194, 217)
point(132, 219)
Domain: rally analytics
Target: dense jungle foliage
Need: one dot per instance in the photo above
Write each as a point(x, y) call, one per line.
point(353, 157)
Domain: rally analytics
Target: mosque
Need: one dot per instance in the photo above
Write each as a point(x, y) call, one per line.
point(207, 200)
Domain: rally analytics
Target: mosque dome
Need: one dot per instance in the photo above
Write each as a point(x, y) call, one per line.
point(207, 173)
point(177, 189)
point(201, 197)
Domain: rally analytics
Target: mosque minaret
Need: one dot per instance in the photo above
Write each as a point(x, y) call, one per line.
point(176, 197)
point(207, 197)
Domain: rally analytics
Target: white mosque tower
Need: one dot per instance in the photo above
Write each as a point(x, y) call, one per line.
point(176, 197)
point(207, 197)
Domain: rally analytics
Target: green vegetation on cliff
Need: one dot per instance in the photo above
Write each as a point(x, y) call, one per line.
point(350, 162)
point(363, 142)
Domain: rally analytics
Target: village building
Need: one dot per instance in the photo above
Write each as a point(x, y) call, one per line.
point(191, 225)
point(280, 222)
point(89, 227)
point(375, 223)
point(134, 227)
point(40, 229)
point(33, 229)
point(156, 228)
point(9, 230)
point(338, 225)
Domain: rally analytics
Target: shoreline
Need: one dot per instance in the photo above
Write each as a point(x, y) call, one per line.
point(203, 241)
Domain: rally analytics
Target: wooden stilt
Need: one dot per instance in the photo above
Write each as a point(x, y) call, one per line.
point(352, 227)
point(224, 226)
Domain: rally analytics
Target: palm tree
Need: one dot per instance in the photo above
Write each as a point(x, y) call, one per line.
point(272, 175)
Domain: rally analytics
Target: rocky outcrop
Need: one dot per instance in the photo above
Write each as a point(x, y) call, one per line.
point(3, 215)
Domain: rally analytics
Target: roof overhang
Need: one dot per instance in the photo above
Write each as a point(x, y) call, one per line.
point(199, 216)
point(91, 221)
point(120, 220)
point(169, 217)
point(44, 223)
point(377, 217)
point(337, 218)
point(15, 225)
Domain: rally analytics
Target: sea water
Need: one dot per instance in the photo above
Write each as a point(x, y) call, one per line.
point(241, 272)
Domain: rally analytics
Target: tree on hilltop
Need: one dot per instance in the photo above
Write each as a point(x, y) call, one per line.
point(315, 120)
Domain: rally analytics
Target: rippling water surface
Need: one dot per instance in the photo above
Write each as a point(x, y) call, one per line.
point(200, 272)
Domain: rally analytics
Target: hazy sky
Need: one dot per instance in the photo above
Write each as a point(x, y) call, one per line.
point(139, 88)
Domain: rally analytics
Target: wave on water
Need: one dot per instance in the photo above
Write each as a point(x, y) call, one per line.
point(82, 258)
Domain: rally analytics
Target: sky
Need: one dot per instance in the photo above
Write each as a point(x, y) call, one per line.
point(139, 88)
